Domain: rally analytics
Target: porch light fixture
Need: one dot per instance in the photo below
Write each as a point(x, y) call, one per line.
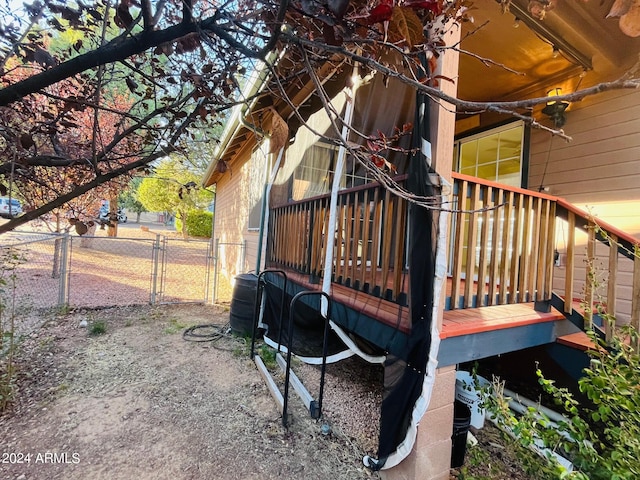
point(554, 109)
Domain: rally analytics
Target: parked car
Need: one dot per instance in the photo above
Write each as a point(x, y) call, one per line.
point(10, 207)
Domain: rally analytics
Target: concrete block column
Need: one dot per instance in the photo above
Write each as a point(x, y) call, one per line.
point(431, 455)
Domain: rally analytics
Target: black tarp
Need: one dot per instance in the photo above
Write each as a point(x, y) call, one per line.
point(404, 377)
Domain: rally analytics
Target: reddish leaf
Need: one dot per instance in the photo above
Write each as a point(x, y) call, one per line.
point(26, 141)
point(329, 34)
point(122, 17)
point(378, 161)
point(380, 13)
point(279, 132)
point(629, 23)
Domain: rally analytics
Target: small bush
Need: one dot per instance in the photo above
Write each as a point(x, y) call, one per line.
point(601, 436)
point(199, 223)
point(98, 328)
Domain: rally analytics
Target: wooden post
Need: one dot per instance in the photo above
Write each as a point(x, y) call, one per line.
point(635, 298)
point(430, 457)
point(589, 285)
point(611, 285)
point(570, 263)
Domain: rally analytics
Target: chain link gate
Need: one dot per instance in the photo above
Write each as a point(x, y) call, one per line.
point(184, 274)
point(53, 270)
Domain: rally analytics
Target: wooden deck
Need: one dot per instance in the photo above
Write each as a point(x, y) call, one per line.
point(456, 323)
point(470, 321)
point(578, 340)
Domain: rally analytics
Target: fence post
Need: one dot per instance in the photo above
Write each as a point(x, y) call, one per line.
point(208, 264)
point(64, 272)
point(216, 257)
point(154, 274)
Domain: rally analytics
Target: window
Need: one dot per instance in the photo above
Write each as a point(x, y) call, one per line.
point(314, 175)
point(494, 155)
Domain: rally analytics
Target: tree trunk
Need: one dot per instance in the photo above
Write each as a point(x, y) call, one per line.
point(113, 215)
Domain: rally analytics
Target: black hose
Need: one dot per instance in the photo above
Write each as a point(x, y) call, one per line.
point(208, 333)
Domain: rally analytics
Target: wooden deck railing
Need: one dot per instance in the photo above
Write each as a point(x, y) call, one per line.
point(503, 245)
point(368, 243)
point(502, 250)
point(619, 247)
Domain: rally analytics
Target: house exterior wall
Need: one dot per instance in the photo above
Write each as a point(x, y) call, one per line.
point(598, 171)
point(238, 194)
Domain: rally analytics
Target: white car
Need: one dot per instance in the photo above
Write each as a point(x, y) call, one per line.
point(10, 208)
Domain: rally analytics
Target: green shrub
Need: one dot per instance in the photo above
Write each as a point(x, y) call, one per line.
point(601, 436)
point(98, 328)
point(199, 223)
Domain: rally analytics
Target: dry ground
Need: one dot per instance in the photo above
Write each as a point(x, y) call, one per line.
point(140, 402)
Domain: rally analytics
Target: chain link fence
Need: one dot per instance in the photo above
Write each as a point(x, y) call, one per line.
point(49, 271)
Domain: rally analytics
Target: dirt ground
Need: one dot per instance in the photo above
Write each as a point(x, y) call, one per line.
point(140, 402)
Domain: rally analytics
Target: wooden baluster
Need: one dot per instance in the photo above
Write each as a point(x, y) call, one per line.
point(327, 240)
point(535, 248)
point(591, 272)
point(543, 256)
point(612, 280)
point(376, 230)
point(484, 243)
point(348, 239)
point(387, 228)
point(339, 236)
point(316, 243)
point(548, 291)
point(299, 232)
point(570, 263)
point(472, 238)
point(505, 258)
point(366, 250)
point(457, 231)
point(400, 241)
point(525, 255)
point(494, 264)
point(516, 255)
point(287, 226)
point(357, 232)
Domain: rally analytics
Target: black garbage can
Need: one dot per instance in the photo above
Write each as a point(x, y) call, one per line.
point(242, 304)
point(461, 422)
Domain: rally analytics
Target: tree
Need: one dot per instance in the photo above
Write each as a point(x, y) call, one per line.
point(129, 198)
point(174, 189)
point(182, 63)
